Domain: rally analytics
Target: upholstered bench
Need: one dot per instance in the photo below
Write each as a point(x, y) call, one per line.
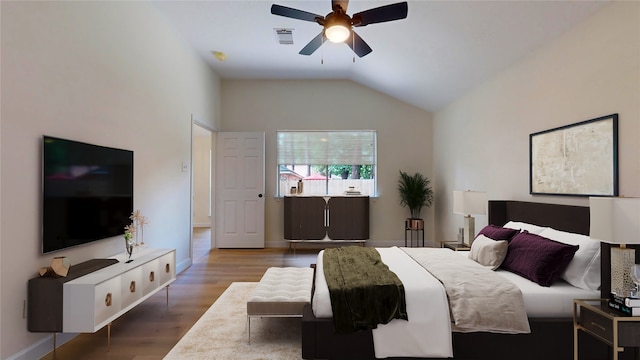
point(282, 292)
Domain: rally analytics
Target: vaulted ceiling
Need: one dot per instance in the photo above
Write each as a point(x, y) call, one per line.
point(440, 51)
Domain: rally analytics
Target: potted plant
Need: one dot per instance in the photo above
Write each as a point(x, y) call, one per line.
point(415, 193)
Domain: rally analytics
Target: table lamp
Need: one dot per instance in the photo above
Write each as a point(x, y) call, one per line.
point(616, 220)
point(469, 203)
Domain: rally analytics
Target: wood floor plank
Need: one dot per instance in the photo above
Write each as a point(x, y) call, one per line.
point(151, 329)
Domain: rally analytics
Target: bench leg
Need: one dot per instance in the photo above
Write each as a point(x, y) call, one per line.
point(248, 329)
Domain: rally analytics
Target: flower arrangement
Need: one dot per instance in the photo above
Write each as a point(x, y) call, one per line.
point(139, 221)
point(129, 231)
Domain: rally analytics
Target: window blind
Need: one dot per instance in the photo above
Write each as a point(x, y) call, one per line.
point(327, 147)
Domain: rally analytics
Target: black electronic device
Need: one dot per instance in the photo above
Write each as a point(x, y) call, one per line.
point(87, 192)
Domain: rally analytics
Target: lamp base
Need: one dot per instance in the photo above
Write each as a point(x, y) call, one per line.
point(622, 259)
point(469, 230)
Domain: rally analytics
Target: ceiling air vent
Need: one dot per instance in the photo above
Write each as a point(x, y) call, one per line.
point(284, 36)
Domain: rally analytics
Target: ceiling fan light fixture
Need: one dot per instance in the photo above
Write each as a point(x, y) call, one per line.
point(337, 33)
point(337, 27)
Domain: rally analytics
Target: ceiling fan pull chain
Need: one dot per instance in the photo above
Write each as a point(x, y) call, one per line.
point(353, 46)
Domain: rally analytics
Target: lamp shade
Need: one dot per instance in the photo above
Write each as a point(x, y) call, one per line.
point(470, 202)
point(615, 220)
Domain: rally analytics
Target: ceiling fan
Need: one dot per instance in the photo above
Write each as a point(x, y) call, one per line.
point(337, 25)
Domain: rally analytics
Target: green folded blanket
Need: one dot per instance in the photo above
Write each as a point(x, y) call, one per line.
point(363, 291)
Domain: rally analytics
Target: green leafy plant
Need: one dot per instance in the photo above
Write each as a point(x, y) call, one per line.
point(415, 192)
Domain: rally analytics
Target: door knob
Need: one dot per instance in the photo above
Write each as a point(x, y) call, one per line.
point(259, 195)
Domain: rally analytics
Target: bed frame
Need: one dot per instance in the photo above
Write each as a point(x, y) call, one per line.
point(550, 339)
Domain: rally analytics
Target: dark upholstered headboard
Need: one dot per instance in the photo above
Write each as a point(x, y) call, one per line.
point(569, 218)
point(561, 217)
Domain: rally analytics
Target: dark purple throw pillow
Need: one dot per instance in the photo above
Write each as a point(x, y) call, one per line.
point(537, 258)
point(498, 233)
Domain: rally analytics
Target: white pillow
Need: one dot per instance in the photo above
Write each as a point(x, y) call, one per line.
point(488, 252)
point(533, 229)
point(584, 269)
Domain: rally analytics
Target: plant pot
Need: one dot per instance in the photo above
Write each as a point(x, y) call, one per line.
point(414, 224)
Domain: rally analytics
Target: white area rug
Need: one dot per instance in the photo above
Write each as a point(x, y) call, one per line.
point(221, 332)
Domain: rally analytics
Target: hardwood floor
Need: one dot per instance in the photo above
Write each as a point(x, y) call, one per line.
point(151, 329)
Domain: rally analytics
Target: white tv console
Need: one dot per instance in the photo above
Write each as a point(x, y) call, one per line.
point(91, 299)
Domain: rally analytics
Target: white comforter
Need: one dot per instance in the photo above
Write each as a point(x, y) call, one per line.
point(427, 333)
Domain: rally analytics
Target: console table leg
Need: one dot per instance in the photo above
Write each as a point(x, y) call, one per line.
point(167, 288)
point(109, 337)
point(54, 343)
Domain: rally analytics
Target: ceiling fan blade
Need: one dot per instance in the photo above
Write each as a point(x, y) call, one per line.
point(358, 45)
point(381, 14)
point(313, 45)
point(343, 4)
point(294, 13)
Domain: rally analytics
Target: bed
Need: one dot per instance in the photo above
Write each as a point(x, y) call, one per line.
point(551, 329)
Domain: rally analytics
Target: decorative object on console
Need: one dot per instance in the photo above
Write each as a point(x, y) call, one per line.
point(128, 240)
point(352, 191)
point(59, 267)
point(415, 193)
point(469, 203)
point(616, 220)
point(139, 221)
point(580, 159)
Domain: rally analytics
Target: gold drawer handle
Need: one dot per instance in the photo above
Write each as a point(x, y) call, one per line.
point(107, 299)
point(152, 276)
point(167, 268)
point(599, 326)
point(132, 287)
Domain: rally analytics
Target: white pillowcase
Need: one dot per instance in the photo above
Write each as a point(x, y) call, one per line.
point(488, 252)
point(584, 269)
point(533, 229)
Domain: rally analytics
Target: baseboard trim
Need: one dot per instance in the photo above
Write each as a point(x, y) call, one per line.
point(183, 265)
point(42, 347)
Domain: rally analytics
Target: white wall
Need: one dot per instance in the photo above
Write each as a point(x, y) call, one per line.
point(404, 139)
point(482, 140)
point(108, 73)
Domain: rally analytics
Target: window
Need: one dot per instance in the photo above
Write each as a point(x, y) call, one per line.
point(327, 162)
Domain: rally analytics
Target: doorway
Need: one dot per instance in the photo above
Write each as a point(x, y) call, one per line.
point(202, 209)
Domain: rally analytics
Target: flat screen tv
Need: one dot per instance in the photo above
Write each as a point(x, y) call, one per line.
point(87, 192)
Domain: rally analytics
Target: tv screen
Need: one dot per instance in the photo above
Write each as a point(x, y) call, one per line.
point(87, 192)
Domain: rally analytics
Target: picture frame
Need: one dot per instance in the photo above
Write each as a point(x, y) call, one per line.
point(579, 159)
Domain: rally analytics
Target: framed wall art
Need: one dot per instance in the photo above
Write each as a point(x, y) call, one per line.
point(580, 159)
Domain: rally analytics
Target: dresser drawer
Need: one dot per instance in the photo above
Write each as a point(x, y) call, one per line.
point(150, 276)
point(107, 299)
point(597, 324)
point(167, 268)
point(131, 286)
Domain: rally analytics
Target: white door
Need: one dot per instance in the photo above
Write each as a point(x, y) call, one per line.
point(240, 190)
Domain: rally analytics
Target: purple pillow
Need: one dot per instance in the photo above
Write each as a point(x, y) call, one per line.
point(498, 233)
point(537, 258)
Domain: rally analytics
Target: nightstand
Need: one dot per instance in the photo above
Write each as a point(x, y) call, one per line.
point(455, 246)
point(613, 328)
